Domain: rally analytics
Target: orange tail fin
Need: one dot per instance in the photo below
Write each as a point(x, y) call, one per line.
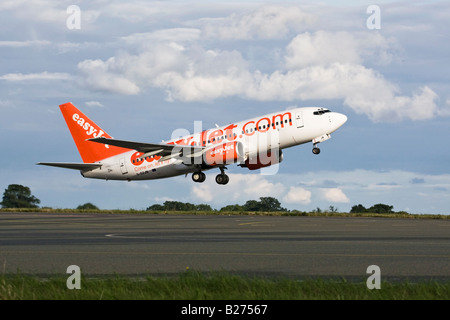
point(82, 128)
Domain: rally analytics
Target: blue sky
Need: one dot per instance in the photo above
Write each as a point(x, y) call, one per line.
point(144, 69)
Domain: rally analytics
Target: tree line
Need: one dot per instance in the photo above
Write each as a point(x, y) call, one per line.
point(18, 196)
point(266, 204)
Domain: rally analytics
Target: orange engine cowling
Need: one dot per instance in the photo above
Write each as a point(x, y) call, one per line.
point(226, 153)
point(263, 160)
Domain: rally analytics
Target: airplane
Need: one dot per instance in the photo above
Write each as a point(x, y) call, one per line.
point(254, 144)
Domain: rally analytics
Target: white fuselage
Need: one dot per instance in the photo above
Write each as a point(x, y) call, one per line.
point(268, 133)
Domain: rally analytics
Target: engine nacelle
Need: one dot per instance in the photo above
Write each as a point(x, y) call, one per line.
point(263, 160)
point(226, 153)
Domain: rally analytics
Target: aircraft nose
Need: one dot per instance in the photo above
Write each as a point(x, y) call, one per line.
point(341, 119)
point(338, 120)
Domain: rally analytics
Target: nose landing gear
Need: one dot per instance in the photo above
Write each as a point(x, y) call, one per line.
point(317, 140)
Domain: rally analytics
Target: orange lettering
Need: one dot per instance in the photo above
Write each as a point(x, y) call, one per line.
point(281, 119)
point(251, 132)
point(135, 160)
point(229, 132)
point(263, 127)
point(214, 135)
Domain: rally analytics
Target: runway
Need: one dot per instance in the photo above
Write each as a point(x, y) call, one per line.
point(144, 244)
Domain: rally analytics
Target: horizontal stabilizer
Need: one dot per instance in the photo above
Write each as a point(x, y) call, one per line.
point(72, 165)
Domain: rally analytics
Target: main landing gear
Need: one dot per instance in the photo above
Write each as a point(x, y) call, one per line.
point(221, 178)
point(198, 176)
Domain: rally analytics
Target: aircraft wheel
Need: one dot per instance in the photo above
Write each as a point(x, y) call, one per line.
point(316, 150)
point(222, 179)
point(198, 176)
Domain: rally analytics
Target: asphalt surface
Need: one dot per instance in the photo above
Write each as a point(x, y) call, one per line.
point(287, 246)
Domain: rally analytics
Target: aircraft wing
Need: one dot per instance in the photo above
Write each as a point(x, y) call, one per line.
point(165, 150)
point(72, 165)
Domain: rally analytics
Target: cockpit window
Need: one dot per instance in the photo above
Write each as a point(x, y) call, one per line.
point(320, 112)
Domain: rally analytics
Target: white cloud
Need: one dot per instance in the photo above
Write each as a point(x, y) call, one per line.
point(298, 195)
point(175, 35)
point(316, 66)
point(241, 187)
point(265, 22)
point(46, 11)
point(96, 75)
point(133, 12)
point(94, 104)
point(202, 192)
point(195, 86)
point(335, 195)
point(323, 48)
point(5, 103)
point(27, 43)
point(367, 187)
point(164, 199)
point(320, 66)
point(35, 76)
point(194, 75)
point(362, 89)
point(445, 110)
point(257, 186)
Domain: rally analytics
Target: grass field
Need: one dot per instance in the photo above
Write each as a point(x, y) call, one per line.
point(404, 215)
point(192, 285)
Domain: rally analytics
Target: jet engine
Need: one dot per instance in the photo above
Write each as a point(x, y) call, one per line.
point(263, 160)
point(227, 153)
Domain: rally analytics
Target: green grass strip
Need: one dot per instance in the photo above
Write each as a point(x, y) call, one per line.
point(193, 285)
point(229, 213)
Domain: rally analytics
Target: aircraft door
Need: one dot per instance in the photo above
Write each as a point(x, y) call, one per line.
point(299, 119)
point(123, 166)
